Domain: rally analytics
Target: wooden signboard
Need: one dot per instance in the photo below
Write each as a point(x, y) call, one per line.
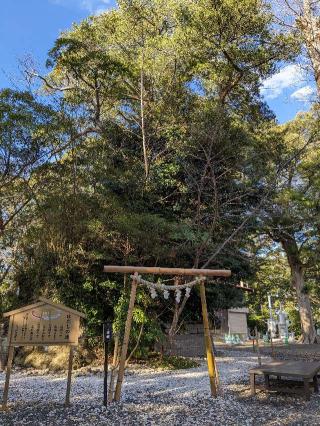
point(43, 323)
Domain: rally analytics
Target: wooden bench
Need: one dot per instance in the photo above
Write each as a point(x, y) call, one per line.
point(307, 371)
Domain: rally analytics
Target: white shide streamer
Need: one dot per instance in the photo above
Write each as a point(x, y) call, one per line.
point(153, 287)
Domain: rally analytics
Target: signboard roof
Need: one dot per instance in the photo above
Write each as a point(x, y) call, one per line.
point(43, 301)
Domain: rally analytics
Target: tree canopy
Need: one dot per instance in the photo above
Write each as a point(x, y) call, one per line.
point(148, 142)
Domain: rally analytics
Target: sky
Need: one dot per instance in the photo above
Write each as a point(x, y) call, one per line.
point(28, 28)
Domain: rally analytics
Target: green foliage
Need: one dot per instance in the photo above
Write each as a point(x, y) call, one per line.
point(291, 212)
point(259, 321)
point(144, 323)
point(182, 76)
point(294, 318)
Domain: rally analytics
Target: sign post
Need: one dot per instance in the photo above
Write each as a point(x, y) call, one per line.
point(43, 323)
point(107, 336)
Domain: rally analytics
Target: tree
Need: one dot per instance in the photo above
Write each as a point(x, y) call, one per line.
point(291, 216)
point(164, 121)
point(272, 278)
point(30, 137)
point(301, 18)
point(27, 141)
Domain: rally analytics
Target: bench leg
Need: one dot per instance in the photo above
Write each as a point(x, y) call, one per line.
point(266, 381)
point(306, 386)
point(253, 383)
point(315, 384)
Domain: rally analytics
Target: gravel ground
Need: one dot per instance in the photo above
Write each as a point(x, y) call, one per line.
point(294, 351)
point(152, 397)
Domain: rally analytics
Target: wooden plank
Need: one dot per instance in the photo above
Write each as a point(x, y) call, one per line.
point(168, 271)
point(67, 403)
point(7, 382)
point(212, 370)
point(252, 383)
point(10, 330)
point(289, 368)
point(125, 343)
point(17, 345)
point(45, 325)
point(9, 364)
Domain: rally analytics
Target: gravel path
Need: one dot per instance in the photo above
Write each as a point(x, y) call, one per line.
point(154, 397)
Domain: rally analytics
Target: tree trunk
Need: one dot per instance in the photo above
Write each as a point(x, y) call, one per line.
point(306, 319)
point(178, 309)
point(143, 128)
point(297, 275)
point(308, 24)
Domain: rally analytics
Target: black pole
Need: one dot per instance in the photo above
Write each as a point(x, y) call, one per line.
point(105, 382)
point(107, 336)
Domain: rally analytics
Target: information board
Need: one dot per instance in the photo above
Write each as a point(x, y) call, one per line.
point(44, 325)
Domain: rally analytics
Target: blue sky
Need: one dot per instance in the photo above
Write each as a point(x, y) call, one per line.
point(29, 28)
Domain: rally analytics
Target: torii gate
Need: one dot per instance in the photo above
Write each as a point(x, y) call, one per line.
point(200, 275)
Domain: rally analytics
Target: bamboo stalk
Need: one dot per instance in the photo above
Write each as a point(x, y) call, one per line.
point(212, 370)
point(111, 383)
point(126, 337)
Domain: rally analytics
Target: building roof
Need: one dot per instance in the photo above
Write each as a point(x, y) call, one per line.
point(239, 310)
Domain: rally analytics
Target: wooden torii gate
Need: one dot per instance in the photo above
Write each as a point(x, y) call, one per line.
point(201, 274)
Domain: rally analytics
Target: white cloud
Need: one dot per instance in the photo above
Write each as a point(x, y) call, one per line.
point(288, 77)
point(304, 94)
point(100, 10)
point(92, 6)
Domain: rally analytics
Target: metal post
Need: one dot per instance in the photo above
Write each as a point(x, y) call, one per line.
point(107, 336)
point(105, 382)
point(271, 323)
point(257, 335)
point(272, 347)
